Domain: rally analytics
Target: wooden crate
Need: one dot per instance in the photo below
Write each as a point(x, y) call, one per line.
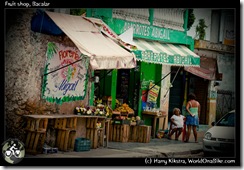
point(140, 133)
point(60, 123)
point(71, 123)
point(65, 140)
point(35, 134)
point(91, 122)
point(119, 133)
point(64, 123)
point(36, 124)
point(34, 141)
point(96, 136)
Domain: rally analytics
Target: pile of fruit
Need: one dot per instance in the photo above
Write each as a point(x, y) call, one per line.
point(124, 108)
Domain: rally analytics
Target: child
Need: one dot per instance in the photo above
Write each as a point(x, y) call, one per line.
point(177, 123)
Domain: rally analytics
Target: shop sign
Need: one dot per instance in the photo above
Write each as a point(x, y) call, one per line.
point(153, 93)
point(64, 81)
point(148, 31)
point(163, 58)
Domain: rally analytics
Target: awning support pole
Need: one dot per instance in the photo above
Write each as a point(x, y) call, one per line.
point(114, 88)
point(63, 67)
point(172, 82)
point(156, 83)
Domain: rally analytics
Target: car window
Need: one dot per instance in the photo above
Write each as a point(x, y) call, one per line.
point(227, 120)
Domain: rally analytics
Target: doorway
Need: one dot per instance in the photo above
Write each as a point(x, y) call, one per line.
point(176, 94)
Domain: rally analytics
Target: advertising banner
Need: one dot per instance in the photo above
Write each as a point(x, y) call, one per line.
point(65, 74)
point(153, 93)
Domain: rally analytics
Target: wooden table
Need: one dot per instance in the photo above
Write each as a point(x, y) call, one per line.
point(66, 126)
point(36, 131)
point(155, 116)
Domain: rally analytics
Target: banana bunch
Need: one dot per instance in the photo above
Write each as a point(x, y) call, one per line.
point(108, 111)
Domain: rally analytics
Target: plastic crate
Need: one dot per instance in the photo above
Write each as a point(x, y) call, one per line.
point(121, 122)
point(82, 144)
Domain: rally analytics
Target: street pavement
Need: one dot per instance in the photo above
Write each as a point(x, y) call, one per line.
point(157, 148)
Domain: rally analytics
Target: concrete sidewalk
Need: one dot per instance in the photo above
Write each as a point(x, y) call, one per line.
point(160, 148)
point(156, 148)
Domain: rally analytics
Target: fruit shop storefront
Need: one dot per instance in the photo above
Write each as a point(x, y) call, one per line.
point(161, 53)
point(69, 77)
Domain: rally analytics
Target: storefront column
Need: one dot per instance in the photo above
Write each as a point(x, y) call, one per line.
point(185, 94)
point(164, 96)
point(211, 108)
point(91, 99)
point(185, 20)
point(140, 100)
point(114, 87)
point(151, 16)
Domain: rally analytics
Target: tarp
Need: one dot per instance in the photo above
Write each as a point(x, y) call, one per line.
point(104, 51)
point(207, 70)
point(165, 53)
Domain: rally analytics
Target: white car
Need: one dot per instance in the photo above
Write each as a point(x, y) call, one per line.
point(220, 139)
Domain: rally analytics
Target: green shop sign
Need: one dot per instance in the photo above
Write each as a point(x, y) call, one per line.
point(163, 58)
point(147, 31)
point(165, 53)
point(150, 32)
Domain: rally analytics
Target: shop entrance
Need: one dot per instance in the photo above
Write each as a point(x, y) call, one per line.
point(176, 95)
point(123, 79)
point(128, 86)
point(199, 86)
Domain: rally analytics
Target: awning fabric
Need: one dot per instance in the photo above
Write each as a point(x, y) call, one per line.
point(103, 51)
point(163, 53)
point(207, 70)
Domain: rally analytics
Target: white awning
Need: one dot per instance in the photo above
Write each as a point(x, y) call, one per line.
point(165, 53)
point(103, 51)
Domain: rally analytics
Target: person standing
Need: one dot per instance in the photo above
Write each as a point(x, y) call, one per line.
point(192, 118)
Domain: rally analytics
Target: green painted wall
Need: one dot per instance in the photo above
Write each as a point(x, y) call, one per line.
point(150, 73)
point(105, 83)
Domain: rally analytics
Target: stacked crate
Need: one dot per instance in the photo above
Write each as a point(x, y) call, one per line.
point(66, 133)
point(35, 134)
point(140, 134)
point(94, 133)
point(129, 133)
point(119, 133)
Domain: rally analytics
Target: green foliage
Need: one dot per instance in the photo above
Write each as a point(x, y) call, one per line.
point(51, 50)
point(78, 12)
point(69, 73)
point(44, 80)
point(191, 18)
point(200, 29)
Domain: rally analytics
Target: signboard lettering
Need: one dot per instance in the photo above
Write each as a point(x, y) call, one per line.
point(148, 31)
point(67, 79)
